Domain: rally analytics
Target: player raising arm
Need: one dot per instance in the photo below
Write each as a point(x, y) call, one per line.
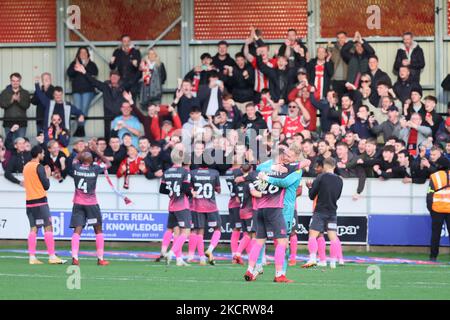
point(36, 184)
point(86, 210)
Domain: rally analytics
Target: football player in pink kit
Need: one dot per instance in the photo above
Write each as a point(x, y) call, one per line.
point(176, 183)
point(233, 207)
point(86, 210)
point(270, 220)
point(247, 193)
point(205, 183)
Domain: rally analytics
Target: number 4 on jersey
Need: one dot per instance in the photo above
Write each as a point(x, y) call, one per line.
point(173, 189)
point(82, 185)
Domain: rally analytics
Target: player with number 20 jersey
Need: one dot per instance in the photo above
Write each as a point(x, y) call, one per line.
point(205, 183)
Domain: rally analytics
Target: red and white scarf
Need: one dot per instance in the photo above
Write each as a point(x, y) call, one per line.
point(318, 81)
point(147, 71)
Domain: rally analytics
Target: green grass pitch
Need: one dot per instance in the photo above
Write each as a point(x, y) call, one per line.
point(144, 279)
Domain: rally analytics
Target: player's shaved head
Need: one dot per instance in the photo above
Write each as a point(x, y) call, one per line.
point(177, 154)
point(296, 150)
point(246, 168)
point(329, 164)
point(86, 158)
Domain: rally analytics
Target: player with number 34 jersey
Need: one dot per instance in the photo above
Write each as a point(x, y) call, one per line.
point(176, 183)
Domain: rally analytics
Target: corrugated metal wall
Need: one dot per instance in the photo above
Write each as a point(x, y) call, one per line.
point(33, 61)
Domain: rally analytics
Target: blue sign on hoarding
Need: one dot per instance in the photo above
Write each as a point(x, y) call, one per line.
point(406, 230)
point(145, 226)
point(127, 226)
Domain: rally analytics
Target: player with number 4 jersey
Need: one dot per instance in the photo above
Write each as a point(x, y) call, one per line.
point(86, 211)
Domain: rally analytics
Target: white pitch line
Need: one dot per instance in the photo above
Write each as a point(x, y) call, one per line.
point(316, 283)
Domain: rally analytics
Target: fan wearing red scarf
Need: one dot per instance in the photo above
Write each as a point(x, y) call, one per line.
point(347, 115)
point(131, 165)
point(414, 133)
point(261, 80)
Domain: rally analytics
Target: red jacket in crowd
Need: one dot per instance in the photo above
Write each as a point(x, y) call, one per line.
point(133, 167)
point(308, 105)
point(153, 125)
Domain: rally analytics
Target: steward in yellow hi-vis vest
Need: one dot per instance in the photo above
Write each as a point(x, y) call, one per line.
point(438, 203)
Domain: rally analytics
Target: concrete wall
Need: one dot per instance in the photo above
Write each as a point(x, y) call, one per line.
point(379, 197)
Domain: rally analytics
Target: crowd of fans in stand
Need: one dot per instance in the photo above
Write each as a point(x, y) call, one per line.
point(337, 104)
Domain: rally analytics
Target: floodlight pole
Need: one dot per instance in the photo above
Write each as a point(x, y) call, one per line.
point(88, 42)
point(313, 20)
point(187, 18)
point(439, 29)
point(163, 34)
point(60, 43)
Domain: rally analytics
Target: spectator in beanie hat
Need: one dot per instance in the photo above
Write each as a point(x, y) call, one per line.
point(431, 118)
point(414, 104)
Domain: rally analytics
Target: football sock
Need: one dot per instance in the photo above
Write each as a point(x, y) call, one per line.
point(32, 244)
point(293, 247)
point(286, 258)
point(193, 239)
point(235, 235)
point(280, 252)
point(334, 249)
point(178, 245)
point(200, 246)
point(214, 240)
point(75, 245)
point(50, 243)
point(253, 257)
point(262, 254)
point(166, 241)
point(322, 248)
point(250, 245)
point(339, 254)
point(243, 244)
point(100, 244)
point(312, 248)
point(173, 244)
